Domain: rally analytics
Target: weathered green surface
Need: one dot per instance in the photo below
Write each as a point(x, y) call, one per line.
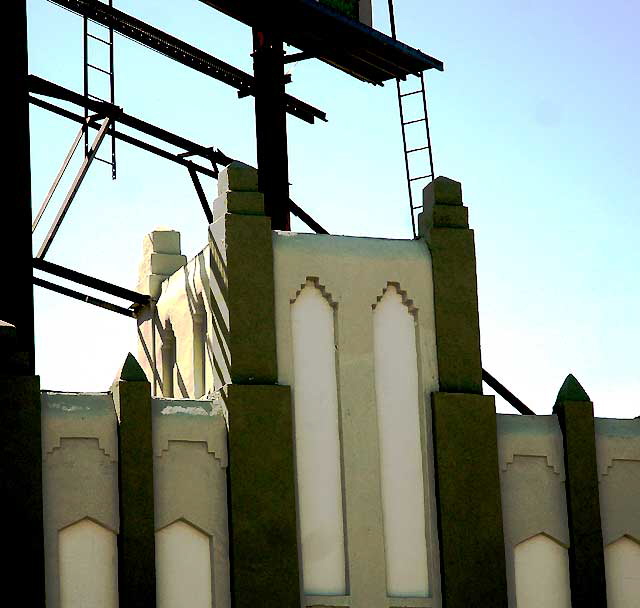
point(242, 270)
point(444, 226)
point(252, 329)
point(586, 552)
point(263, 539)
point(472, 554)
point(136, 542)
point(571, 390)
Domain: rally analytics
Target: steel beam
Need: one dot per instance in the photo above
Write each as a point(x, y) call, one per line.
point(143, 145)
point(506, 394)
point(271, 128)
point(306, 218)
point(180, 51)
point(40, 86)
point(75, 186)
point(201, 195)
point(89, 281)
point(76, 295)
point(16, 178)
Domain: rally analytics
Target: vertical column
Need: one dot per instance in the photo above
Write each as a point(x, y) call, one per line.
point(161, 257)
point(136, 543)
point(17, 308)
point(271, 127)
point(199, 350)
point(21, 470)
point(262, 513)
point(472, 558)
point(586, 552)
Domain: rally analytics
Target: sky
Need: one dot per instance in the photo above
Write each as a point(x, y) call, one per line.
point(535, 113)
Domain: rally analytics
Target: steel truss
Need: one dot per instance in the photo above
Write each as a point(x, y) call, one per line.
point(106, 112)
point(181, 51)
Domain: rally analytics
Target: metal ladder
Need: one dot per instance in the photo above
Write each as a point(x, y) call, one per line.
point(106, 39)
point(422, 118)
point(419, 121)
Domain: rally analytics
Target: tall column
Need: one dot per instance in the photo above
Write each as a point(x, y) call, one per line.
point(136, 542)
point(586, 552)
point(472, 554)
point(21, 471)
point(262, 513)
point(271, 127)
point(16, 306)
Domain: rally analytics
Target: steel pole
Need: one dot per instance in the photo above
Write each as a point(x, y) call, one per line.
point(271, 127)
point(16, 307)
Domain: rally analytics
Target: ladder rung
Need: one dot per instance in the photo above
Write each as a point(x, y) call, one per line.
point(412, 93)
point(410, 122)
point(417, 149)
point(95, 67)
point(99, 39)
point(413, 179)
point(416, 207)
point(98, 98)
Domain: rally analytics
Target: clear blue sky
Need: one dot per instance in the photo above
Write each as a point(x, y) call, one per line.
point(536, 114)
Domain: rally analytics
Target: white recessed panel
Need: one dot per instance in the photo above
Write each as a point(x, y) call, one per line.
point(398, 402)
point(88, 562)
point(542, 574)
point(183, 567)
point(622, 563)
point(317, 443)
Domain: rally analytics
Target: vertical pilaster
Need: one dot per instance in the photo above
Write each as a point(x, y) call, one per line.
point(136, 543)
point(262, 513)
point(472, 558)
point(586, 552)
point(21, 471)
point(161, 258)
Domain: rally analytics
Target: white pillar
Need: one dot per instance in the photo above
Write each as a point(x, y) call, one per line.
point(622, 566)
point(318, 443)
point(88, 563)
point(401, 454)
point(183, 567)
point(542, 574)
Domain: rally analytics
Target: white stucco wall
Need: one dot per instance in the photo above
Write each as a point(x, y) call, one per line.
point(382, 490)
point(401, 469)
point(81, 513)
point(622, 564)
point(318, 443)
point(542, 574)
point(183, 567)
point(88, 562)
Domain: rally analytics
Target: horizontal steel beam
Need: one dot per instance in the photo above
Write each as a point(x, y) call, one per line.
point(89, 281)
point(40, 86)
point(76, 295)
point(179, 51)
point(506, 394)
point(143, 145)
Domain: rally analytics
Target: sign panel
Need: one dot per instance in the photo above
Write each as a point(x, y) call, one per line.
point(360, 10)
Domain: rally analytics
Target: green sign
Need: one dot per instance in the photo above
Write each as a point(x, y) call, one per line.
point(350, 8)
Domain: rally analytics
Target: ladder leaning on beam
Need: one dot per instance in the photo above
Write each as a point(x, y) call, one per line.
point(101, 36)
point(422, 168)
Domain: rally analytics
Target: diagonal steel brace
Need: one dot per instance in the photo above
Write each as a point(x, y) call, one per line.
point(77, 182)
